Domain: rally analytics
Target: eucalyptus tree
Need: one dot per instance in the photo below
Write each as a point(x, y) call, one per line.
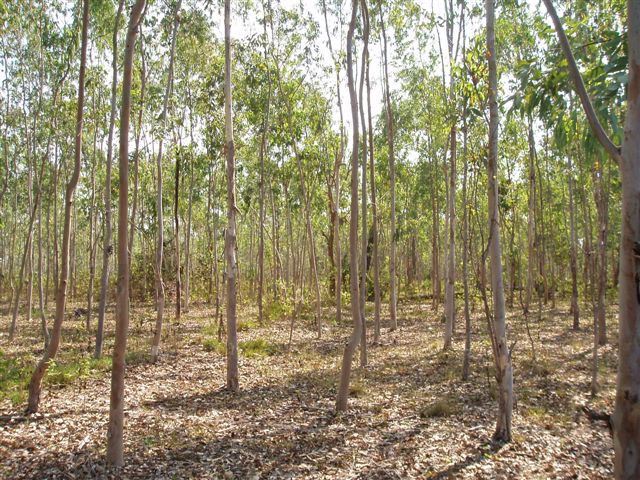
point(354, 339)
point(35, 384)
point(115, 432)
point(501, 353)
point(230, 233)
point(107, 249)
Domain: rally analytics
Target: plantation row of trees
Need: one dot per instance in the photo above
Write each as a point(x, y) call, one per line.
point(149, 156)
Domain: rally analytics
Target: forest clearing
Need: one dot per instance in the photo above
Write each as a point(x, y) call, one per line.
point(411, 415)
point(327, 239)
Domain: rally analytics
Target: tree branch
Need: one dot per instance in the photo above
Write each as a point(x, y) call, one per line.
point(581, 90)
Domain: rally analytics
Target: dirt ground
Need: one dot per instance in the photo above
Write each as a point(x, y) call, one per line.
point(410, 415)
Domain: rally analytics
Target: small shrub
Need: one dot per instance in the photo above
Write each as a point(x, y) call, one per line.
point(213, 345)
point(245, 325)
point(440, 408)
point(257, 347)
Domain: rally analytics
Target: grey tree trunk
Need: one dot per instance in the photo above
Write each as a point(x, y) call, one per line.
point(502, 356)
point(230, 235)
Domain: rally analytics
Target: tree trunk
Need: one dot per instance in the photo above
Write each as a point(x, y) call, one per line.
point(465, 256)
point(115, 433)
point(155, 344)
point(354, 339)
point(575, 308)
point(176, 226)
point(502, 356)
point(107, 248)
point(393, 294)
point(230, 236)
point(35, 384)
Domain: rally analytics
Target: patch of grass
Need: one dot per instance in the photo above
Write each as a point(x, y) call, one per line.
point(440, 408)
point(210, 330)
point(214, 345)
point(137, 357)
point(278, 310)
point(357, 389)
point(246, 325)
point(14, 376)
point(257, 347)
point(64, 373)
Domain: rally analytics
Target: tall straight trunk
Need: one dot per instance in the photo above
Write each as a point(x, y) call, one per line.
point(435, 249)
point(263, 152)
point(136, 157)
point(502, 356)
point(364, 239)
point(107, 248)
point(187, 248)
point(336, 179)
point(465, 256)
point(92, 229)
point(531, 219)
point(374, 213)
point(43, 313)
point(29, 273)
point(602, 209)
point(115, 432)
point(176, 225)
point(230, 234)
point(155, 344)
point(575, 308)
point(393, 294)
point(35, 384)
point(449, 293)
point(354, 339)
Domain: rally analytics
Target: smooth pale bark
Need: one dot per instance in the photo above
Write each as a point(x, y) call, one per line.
point(157, 336)
point(602, 208)
point(354, 339)
point(374, 214)
point(393, 291)
point(465, 257)
point(531, 219)
point(625, 419)
point(107, 248)
point(230, 234)
point(115, 432)
point(501, 353)
point(35, 385)
point(575, 308)
point(264, 151)
point(449, 291)
point(364, 238)
point(92, 229)
point(336, 179)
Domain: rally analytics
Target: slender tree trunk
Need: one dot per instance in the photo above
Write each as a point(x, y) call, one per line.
point(393, 294)
point(465, 256)
point(354, 339)
point(531, 220)
point(336, 179)
point(364, 239)
point(35, 384)
point(575, 308)
point(155, 344)
point(107, 248)
point(230, 235)
point(176, 225)
point(374, 212)
point(92, 229)
point(502, 356)
point(115, 433)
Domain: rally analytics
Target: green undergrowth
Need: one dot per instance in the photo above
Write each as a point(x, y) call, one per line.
point(15, 374)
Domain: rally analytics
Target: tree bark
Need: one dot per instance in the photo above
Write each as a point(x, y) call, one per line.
point(35, 384)
point(157, 336)
point(502, 356)
point(354, 339)
point(230, 235)
point(107, 248)
point(115, 433)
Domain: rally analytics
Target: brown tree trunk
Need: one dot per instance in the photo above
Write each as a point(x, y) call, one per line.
point(35, 384)
point(393, 293)
point(354, 339)
point(115, 432)
point(107, 248)
point(157, 336)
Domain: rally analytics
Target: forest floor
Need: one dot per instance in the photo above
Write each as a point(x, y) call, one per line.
point(410, 415)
